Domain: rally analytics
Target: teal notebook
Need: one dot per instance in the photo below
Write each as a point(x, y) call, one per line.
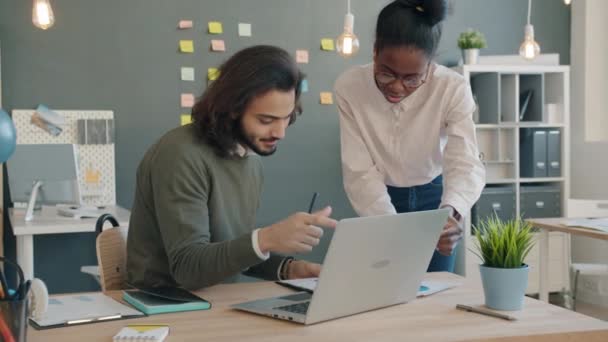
point(164, 300)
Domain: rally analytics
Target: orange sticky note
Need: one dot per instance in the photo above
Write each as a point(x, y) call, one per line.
point(302, 56)
point(184, 24)
point(327, 44)
point(213, 74)
point(327, 98)
point(186, 46)
point(187, 100)
point(218, 45)
point(215, 27)
point(185, 119)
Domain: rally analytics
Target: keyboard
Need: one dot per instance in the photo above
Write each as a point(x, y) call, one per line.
point(299, 308)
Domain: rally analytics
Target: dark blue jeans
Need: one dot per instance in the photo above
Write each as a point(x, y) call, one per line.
point(420, 198)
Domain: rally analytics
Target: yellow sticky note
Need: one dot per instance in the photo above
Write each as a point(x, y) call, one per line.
point(186, 46)
point(327, 44)
point(215, 27)
point(213, 74)
point(218, 45)
point(185, 119)
point(327, 98)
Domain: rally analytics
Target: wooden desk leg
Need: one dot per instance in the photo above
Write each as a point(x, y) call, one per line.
point(543, 267)
point(25, 255)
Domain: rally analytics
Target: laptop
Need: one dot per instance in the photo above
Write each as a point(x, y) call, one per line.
point(372, 262)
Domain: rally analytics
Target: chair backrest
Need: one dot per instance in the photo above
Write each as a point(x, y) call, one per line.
point(112, 258)
point(587, 208)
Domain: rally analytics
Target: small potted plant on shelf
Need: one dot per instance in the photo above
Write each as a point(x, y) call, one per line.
point(470, 41)
point(502, 247)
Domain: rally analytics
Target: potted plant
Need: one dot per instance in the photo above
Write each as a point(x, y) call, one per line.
point(470, 41)
point(503, 246)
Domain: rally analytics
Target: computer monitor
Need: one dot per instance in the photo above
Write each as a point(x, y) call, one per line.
point(44, 173)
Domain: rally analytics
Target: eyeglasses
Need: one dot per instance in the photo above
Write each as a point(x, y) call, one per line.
point(412, 82)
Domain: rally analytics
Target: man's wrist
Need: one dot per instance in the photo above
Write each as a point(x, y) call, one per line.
point(264, 242)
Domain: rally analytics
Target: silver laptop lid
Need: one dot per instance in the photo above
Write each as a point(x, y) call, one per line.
point(374, 262)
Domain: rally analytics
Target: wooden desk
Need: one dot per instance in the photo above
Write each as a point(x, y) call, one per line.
point(47, 221)
point(432, 318)
point(547, 225)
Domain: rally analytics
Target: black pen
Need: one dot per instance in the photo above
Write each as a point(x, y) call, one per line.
point(312, 202)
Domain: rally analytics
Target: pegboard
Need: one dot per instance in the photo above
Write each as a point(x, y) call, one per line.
point(96, 169)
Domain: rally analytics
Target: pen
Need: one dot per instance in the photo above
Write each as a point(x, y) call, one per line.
point(312, 202)
point(4, 287)
point(485, 311)
point(89, 320)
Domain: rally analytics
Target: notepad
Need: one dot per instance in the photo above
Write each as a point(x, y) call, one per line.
point(141, 332)
point(164, 300)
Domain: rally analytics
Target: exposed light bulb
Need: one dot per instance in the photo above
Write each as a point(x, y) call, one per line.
point(567, 2)
point(42, 14)
point(529, 49)
point(347, 43)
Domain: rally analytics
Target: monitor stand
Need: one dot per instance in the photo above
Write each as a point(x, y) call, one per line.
point(29, 212)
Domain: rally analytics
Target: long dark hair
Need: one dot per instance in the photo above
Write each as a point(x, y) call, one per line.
point(247, 74)
point(415, 23)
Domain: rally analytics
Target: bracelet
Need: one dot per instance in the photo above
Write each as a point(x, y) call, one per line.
point(284, 273)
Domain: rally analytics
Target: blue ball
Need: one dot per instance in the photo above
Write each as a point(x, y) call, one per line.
point(8, 136)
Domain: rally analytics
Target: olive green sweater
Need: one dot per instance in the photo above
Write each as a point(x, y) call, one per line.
point(193, 215)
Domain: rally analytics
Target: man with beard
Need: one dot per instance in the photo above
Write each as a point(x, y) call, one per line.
point(198, 188)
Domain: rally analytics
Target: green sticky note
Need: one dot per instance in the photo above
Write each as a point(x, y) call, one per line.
point(186, 46)
point(327, 44)
point(215, 27)
point(213, 74)
point(185, 119)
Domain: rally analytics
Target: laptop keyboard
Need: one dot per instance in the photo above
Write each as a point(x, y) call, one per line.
point(299, 308)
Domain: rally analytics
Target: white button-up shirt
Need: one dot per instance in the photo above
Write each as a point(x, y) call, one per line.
point(430, 132)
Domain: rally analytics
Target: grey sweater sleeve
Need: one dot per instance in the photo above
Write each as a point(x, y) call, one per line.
point(180, 190)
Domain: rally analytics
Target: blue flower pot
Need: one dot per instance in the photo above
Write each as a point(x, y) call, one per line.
point(504, 288)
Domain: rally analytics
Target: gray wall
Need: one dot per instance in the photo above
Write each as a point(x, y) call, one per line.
point(121, 55)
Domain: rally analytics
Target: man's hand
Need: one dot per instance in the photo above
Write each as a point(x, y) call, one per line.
point(303, 269)
point(298, 233)
point(452, 233)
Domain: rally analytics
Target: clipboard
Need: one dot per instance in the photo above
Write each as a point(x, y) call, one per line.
point(69, 310)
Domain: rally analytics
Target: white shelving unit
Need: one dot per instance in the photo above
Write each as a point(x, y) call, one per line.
point(499, 126)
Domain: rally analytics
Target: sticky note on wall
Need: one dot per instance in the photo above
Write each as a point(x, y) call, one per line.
point(187, 100)
point(244, 30)
point(186, 46)
point(327, 98)
point(218, 45)
point(327, 44)
point(302, 56)
point(215, 27)
point(213, 74)
point(185, 119)
point(184, 24)
point(187, 74)
point(304, 86)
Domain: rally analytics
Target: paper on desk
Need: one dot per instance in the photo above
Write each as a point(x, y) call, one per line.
point(427, 287)
point(63, 309)
point(597, 223)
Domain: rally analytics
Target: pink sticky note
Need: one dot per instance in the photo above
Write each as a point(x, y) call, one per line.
point(302, 56)
point(185, 24)
point(187, 100)
point(218, 45)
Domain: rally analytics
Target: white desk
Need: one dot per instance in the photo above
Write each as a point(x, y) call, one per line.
point(47, 221)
